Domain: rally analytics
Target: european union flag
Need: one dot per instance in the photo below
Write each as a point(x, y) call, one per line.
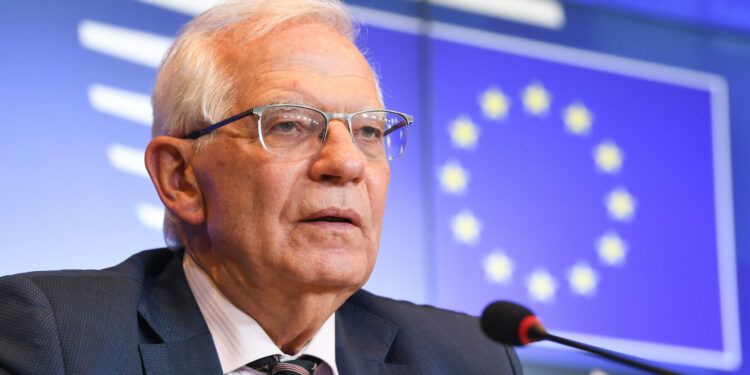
point(592, 188)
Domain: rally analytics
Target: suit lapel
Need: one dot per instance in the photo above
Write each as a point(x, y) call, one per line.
point(363, 340)
point(169, 308)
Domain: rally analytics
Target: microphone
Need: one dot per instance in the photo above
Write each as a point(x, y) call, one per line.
point(512, 324)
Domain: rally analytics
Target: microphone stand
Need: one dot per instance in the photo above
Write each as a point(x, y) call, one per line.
point(604, 353)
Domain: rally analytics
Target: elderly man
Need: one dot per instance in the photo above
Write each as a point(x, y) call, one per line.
point(271, 155)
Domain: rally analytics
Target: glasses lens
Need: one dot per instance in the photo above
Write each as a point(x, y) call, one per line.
point(290, 130)
point(380, 135)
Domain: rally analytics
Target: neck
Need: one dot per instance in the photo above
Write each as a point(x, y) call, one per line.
point(290, 320)
point(290, 314)
point(293, 325)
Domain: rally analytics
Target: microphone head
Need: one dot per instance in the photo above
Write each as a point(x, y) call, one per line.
point(511, 324)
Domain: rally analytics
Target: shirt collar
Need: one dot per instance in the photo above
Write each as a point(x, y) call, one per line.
point(238, 338)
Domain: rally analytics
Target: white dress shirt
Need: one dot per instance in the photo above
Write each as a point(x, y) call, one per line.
point(239, 339)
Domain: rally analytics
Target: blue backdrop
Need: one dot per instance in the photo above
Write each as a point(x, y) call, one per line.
point(573, 175)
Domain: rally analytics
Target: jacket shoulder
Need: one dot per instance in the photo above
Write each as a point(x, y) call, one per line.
point(138, 266)
point(77, 285)
point(46, 316)
point(29, 339)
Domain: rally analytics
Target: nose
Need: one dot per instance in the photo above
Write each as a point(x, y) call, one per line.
point(339, 161)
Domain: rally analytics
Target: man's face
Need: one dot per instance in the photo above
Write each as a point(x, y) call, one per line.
point(267, 215)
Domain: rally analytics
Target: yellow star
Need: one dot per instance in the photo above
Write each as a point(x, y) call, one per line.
point(466, 228)
point(498, 268)
point(612, 249)
point(578, 119)
point(494, 103)
point(583, 279)
point(541, 285)
point(454, 178)
point(464, 133)
point(620, 205)
point(608, 157)
point(536, 99)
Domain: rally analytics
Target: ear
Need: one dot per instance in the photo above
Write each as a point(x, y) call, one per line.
point(168, 164)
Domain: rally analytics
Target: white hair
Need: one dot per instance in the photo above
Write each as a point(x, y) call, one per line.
point(194, 89)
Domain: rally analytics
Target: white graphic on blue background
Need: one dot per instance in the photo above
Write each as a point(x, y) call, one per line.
point(140, 48)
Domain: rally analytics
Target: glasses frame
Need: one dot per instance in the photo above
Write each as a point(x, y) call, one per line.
point(327, 115)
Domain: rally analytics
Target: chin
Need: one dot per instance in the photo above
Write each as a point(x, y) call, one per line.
point(339, 273)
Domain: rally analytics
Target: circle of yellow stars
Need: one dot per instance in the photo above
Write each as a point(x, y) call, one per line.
point(608, 157)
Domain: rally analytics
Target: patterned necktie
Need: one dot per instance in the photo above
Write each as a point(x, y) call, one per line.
point(304, 365)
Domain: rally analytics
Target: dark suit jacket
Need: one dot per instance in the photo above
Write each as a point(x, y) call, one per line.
point(140, 317)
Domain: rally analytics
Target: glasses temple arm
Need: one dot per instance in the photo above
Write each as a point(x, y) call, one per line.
point(227, 121)
point(395, 127)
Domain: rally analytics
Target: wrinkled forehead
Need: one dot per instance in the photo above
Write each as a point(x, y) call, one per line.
point(307, 61)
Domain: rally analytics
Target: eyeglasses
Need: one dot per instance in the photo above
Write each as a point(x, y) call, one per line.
point(298, 131)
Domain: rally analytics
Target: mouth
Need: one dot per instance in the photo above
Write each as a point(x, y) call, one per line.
point(334, 215)
point(331, 219)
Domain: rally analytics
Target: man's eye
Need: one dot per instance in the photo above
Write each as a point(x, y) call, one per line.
point(286, 127)
point(369, 133)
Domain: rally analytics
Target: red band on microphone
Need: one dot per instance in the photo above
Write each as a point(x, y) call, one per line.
point(523, 329)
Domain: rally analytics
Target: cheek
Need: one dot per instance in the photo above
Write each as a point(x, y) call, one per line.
point(235, 197)
point(270, 193)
